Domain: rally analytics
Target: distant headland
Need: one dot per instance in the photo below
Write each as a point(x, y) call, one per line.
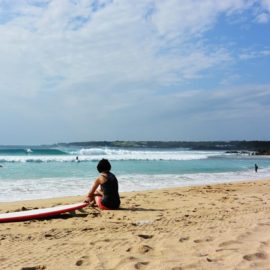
point(238, 147)
point(257, 147)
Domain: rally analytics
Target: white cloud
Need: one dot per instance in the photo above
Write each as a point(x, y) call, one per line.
point(113, 43)
point(263, 18)
point(266, 4)
point(60, 58)
point(248, 54)
point(263, 13)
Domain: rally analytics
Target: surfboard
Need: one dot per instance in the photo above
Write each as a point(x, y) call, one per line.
point(40, 213)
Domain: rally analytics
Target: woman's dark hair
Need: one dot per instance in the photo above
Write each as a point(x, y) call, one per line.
point(104, 165)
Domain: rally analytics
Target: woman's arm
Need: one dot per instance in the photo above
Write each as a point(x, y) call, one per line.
point(90, 196)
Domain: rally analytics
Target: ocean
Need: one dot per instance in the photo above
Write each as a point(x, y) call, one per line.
point(35, 173)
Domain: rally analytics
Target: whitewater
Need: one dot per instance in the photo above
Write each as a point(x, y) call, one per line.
point(37, 173)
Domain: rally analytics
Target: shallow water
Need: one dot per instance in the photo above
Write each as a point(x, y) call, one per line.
point(45, 173)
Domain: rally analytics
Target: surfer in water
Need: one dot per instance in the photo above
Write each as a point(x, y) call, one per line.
point(256, 167)
point(104, 190)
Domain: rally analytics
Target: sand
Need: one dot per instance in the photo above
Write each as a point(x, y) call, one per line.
point(225, 226)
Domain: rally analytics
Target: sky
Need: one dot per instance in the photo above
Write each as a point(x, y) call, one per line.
point(94, 70)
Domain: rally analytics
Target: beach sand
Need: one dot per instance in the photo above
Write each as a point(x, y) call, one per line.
point(225, 226)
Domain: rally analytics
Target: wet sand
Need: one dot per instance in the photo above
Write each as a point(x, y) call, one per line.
point(225, 226)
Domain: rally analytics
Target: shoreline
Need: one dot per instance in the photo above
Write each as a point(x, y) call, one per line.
point(69, 198)
point(190, 183)
point(225, 226)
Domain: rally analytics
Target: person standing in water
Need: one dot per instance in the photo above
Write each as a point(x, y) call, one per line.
point(104, 190)
point(256, 167)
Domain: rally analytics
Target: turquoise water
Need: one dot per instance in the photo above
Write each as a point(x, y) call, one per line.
point(45, 173)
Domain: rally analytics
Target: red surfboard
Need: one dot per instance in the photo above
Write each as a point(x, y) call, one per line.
point(40, 213)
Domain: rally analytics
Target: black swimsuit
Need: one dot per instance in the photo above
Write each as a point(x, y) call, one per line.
point(111, 198)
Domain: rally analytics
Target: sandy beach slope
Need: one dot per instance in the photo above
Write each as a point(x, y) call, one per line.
point(224, 226)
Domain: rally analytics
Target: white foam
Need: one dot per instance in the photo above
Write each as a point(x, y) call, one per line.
point(95, 154)
point(146, 182)
point(29, 189)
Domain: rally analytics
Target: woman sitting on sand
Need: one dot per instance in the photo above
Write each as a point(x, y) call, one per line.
point(107, 196)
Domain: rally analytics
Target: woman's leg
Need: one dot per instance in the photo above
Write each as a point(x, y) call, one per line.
point(98, 200)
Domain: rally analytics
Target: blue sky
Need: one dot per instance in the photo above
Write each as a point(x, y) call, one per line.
point(80, 70)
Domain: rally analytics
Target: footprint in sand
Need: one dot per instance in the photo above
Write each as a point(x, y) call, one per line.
point(81, 261)
point(255, 256)
point(211, 259)
point(87, 229)
point(264, 224)
point(228, 243)
point(48, 235)
point(226, 249)
point(39, 267)
point(140, 265)
point(208, 239)
point(141, 249)
point(145, 236)
point(182, 239)
point(144, 249)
